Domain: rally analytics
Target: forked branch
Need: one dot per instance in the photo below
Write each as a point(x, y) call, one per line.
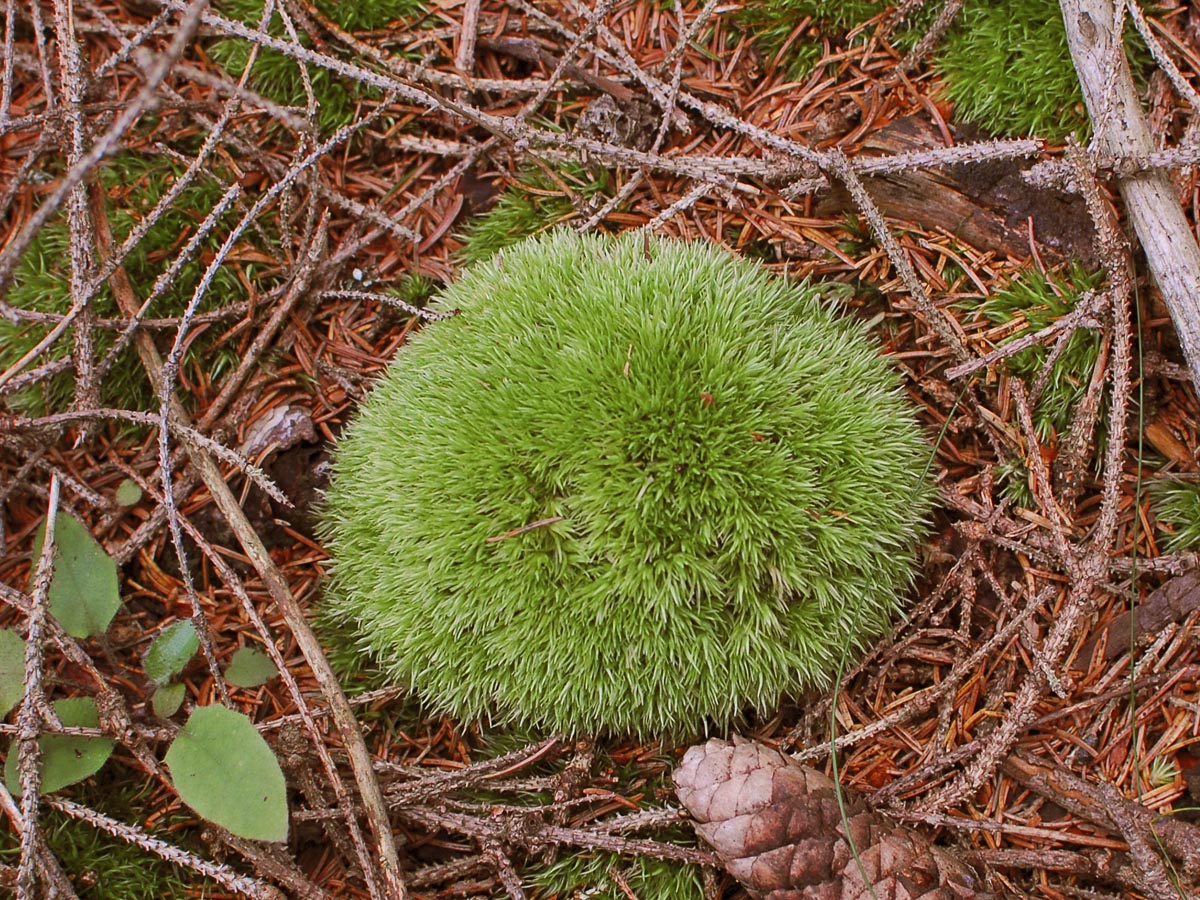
point(1094, 38)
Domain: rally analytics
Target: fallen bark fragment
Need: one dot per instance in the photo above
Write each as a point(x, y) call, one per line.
point(987, 205)
point(1173, 602)
point(778, 829)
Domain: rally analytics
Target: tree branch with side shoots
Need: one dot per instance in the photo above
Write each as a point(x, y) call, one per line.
point(1094, 39)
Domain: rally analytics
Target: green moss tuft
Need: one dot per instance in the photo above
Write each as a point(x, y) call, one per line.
point(772, 22)
point(536, 204)
point(1005, 64)
point(780, 17)
point(364, 16)
point(1176, 503)
point(42, 283)
point(596, 875)
point(1038, 300)
point(276, 76)
point(368, 16)
point(1014, 483)
point(572, 873)
point(636, 483)
point(1007, 68)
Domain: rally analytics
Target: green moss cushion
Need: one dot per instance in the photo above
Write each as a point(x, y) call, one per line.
point(636, 484)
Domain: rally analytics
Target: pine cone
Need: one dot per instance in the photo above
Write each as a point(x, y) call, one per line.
point(777, 827)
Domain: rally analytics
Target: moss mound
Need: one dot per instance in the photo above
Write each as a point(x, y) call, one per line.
point(634, 485)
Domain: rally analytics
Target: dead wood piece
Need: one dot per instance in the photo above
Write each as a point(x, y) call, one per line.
point(986, 205)
point(1172, 602)
point(779, 829)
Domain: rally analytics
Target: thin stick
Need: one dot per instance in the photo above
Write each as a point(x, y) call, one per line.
point(223, 875)
point(29, 717)
point(464, 56)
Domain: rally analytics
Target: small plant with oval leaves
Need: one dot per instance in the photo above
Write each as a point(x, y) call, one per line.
point(635, 484)
point(220, 765)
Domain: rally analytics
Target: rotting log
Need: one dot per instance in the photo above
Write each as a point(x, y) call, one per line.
point(1121, 132)
point(986, 205)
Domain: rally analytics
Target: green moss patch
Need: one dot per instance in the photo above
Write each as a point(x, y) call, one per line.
point(42, 283)
point(772, 23)
point(1005, 65)
point(1176, 504)
point(636, 484)
point(536, 203)
point(278, 77)
point(1037, 299)
point(103, 867)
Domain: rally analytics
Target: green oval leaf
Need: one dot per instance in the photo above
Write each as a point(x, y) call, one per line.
point(84, 595)
point(250, 668)
point(66, 759)
point(170, 651)
point(167, 700)
point(128, 493)
point(227, 773)
point(12, 670)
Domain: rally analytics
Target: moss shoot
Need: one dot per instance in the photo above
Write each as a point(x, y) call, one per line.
point(278, 77)
point(1176, 503)
point(1038, 299)
point(536, 203)
point(635, 485)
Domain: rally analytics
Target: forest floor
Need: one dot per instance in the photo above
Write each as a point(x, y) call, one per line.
point(347, 189)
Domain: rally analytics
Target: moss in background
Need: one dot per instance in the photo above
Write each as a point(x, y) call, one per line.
point(535, 204)
point(1013, 479)
point(277, 76)
point(1007, 69)
point(1037, 300)
point(573, 873)
point(1176, 504)
point(42, 282)
point(1005, 63)
point(771, 22)
point(578, 874)
point(368, 15)
point(415, 290)
point(102, 867)
point(593, 875)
